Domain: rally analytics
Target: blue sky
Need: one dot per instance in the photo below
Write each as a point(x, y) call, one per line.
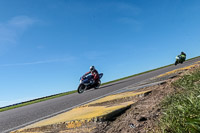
point(46, 45)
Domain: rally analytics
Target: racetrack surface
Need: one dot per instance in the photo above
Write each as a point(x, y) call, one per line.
point(19, 117)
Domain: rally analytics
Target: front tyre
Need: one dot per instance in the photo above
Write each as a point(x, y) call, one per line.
point(176, 63)
point(81, 88)
point(98, 84)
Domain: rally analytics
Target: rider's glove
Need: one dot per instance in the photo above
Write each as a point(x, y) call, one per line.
point(82, 78)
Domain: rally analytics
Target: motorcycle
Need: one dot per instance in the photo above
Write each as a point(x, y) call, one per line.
point(179, 59)
point(85, 83)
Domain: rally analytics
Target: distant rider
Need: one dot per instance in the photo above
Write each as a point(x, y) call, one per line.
point(182, 56)
point(94, 73)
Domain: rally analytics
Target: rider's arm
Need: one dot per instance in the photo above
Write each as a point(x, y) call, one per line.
point(86, 74)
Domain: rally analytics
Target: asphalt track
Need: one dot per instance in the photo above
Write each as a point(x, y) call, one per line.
point(17, 118)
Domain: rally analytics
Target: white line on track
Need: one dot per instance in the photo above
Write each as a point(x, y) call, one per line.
point(62, 111)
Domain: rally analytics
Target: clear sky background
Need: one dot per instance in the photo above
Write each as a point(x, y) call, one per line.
point(46, 45)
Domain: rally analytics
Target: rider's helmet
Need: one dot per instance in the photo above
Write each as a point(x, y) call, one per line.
point(92, 68)
point(182, 53)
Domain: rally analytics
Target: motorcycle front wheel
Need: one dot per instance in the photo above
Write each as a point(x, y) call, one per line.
point(81, 88)
point(176, 63)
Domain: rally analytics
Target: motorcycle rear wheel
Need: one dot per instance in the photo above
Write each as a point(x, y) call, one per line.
point(98, 84)
point(81, 88)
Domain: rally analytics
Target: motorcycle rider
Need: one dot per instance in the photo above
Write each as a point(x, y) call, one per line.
point(94, 73)
point(182, 56)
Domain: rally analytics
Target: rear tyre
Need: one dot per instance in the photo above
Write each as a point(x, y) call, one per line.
point(181, 62)
point(98, 84)
point(81, 88)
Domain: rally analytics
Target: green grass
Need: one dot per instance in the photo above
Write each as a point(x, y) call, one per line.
point(74, 91)
point(181, 110)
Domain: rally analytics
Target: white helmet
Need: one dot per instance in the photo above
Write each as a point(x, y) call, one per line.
point(92, 68)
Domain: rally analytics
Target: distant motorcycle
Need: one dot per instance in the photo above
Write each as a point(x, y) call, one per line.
point(85, 83)
point(179, 59)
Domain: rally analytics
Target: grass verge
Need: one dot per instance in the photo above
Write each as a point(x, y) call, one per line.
point(74, 91)
point(181, 110)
